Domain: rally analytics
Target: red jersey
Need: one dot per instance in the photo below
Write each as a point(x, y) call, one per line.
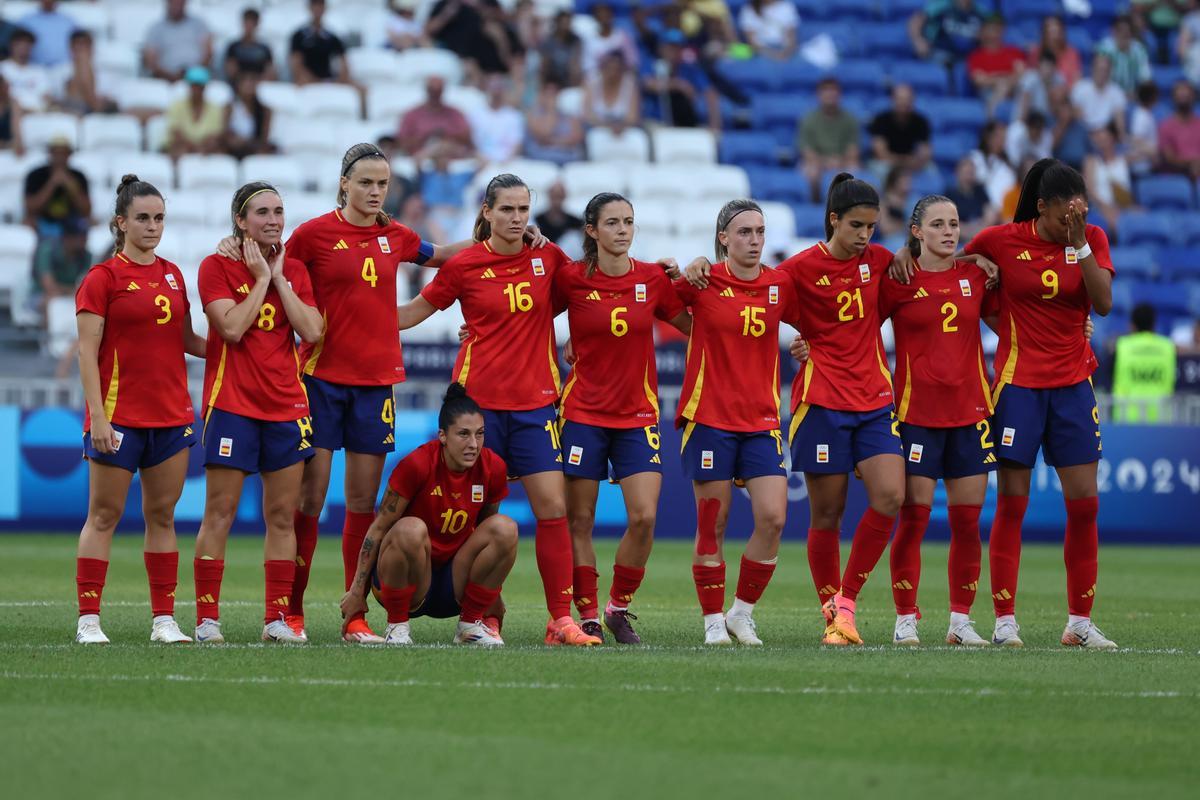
point(142, 371)
point(838, 307)
point(941, 380)
point(614, 382)
point(448, 502)
point(510, 361)
point(731, 377)
point(258, 377)
point(1043, 305)
point(353, 272)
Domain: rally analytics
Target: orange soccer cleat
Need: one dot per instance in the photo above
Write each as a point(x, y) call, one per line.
point(564, 630)
point(296, 623)
point(357, 630)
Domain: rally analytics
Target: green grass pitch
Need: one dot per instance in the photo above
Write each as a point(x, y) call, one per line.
point(667, 720)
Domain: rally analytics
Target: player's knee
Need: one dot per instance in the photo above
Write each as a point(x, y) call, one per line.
point(159, 513)
point(219, 513)
point(888, 502)
point(104, 516)
point(581, 522)
point(827, 519)
point(410, 535)
point(641, 521)
point(771, 522)
point(505, 534)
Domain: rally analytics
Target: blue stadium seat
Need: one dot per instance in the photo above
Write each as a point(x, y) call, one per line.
point(861, 76)
point(948, 148)
point(751, 75)
point(1122, 295)
point(810, 219)
point(899, 11)
point(1135, 262)
point(1172, 298)
point(928, 181)
point(798, 75)
point(1166, 75)
point(1141, 228)
point(748, 147)
point(1022, 9)
point(1082, 40)
point(884, 39)
point(783, 185)
point(842, 9)
point(927, 78)
point(1165, 191)
point(774, 109)
point(1179, 263)
point(954, 114)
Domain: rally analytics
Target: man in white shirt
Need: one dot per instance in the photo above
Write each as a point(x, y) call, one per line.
point(499, 129)
point(29, 84)
point(1098, 100)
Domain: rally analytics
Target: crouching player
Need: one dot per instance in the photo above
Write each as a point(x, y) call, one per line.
point(438, 547)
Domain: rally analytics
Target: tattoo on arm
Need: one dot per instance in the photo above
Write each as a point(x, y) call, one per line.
point(366, 546)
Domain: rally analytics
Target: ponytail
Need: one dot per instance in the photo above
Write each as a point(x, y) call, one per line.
point(455, 403)
point(847, 192)
point(591, 216)
point(1047, 180)
point(918, 217)
point(483, 228)
point(129, 188)
point(360, 152)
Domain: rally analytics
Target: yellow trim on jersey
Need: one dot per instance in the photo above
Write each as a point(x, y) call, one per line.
point(554, 363)
point(570, 385)
point(216, 387)
point(689, 408)
point(466, 367)
point(809, 368)
point(983, 381)
point(906, 395)
point(883, 367)
point(651, 396)
point(996, 394)
point(310, 366)
point(824, 249)
point(775, 388)
point(110, 396)
point(337, 212)
point(687, 434)
point(797, 418)
point(1010, 364)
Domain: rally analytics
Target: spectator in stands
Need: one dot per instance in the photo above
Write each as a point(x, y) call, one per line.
point(10, 121)
point(945, 30)
point(1188, 44)
point(562, 53)
point(194, 125)
point(608, 37)
point(433, 124)
point(611, 97)
point(995, 67)
point(247, 129)
point(1035, 86)
point(404, 30)
point(827, 137)
point(1070, 134)
point(1142, 144)
point(7, 29)
point(56, 192)
point(1143, 370)
point(414, 213)
point(249, 53)
point(553, 135)
point(53, 29)
point(1098, 101)
point(770, 27)
point(1053, 43)
point(29, 83)
point(175, 43)
point(1187, 338)
point(317, 54)
point(1109, 181)
point(991, 164)
point(442, 185)
point(501, 51)
point(900, 135)
point(59, 262)
point(1130, 61)
point(1159, 17)
point(675, 85)
point(457, 25)
point(1029, 138)
point(84, 91)
point(975, 210)
point(895, 205)
point(498, 129)
point(555, 222)
point(1179, 134)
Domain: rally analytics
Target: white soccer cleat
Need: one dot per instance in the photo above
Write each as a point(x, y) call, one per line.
point(280, 632)
point(715, 632)
point(88, 630)
point(397, 633)
point(906, 630)
point(166, 630)
point(1006, 633)
point(1086, 634)
point(742, 628)
point(209, 632)
point(963, 633)
point(478, 634)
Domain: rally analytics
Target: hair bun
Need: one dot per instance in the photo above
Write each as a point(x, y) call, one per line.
point(841, 177)
point(455, 391)
point(126, 180)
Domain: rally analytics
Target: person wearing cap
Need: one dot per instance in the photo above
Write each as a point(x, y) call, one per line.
point(29, 83)
point(56, 192)
point(675, 80)
point(176, 42)
point(194, 125)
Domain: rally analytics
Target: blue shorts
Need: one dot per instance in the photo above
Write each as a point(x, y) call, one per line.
point(251, 445)
point(140, 448)
point(712, 454)
point(588, 450)
point(526, 440)
point(361, 419)
point(439, 602)
point(948, 452)
point(1065, 422)
point(831, 442)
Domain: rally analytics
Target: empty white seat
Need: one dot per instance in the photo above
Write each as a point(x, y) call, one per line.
point(89, 16)
point(391, 101)
point(279, 96)
point(329, 100)
point(418, 63)
point(719, 181)
point(466, 99)
point(136, 17)
point(686, 145)
point(651, 248)
point(570, 102)
point(37, 130)
point(186, 208)
point(201, 171)
point(370, 64)
point(300, 208)
point(631, 145)
point(285, 173)
point(116, 60)
point(655, 219)
point(17, 241)
point(156, 133)
point(696, 218)
point(61, 332)
point(781, 229)
point(312, 140)
point(116, 133)
point(100, 238)
point(144, 93)
point(652, 181)
point(352, 132)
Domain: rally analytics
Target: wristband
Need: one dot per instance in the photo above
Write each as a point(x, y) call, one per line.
point(1083, 252)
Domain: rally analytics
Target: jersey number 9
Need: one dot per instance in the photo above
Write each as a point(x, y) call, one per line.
point(1050, 281)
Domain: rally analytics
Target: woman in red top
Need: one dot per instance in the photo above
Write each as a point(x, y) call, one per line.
point(134, 328)
point(256, 417)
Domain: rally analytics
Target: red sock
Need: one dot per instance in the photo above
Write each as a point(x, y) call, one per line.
point(706, 526)
point(476, 601)
point(552, 545)
point(753, 578)
point(89, 583)
point(906, 556)
point(586, 579)
point(306, 546)
point(1081, 551)
point(626, 581)
point(825, 562)
point(965, 555)
point(206, 575)
point(163, 571)
point(710, 587)
point(396, 601)
point(280, 576)
point(1004, 551)
point(354, 531)
point(870, 540)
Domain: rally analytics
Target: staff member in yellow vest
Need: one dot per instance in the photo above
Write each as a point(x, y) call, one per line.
point(1144, 371)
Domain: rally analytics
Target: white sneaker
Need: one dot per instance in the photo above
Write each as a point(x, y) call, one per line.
point(963, 633)
point(88, 630)
point(715, 632)
point(279, 631)
point(1086, 634)
point(1007, 633)
point(478, 634)
point(742, 628)
point(166, 630)
point(397, 633)
point(906, 630)
point(209, 632)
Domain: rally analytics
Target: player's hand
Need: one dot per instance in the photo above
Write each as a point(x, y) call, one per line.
point(255, 261)
point(1076, 224)
point(903, 266)
point(697, 272)
point(989, 267)
point(1088, 329)
point(671, 267)
point(353, 603)
point(277, 263)
point(569, 353)
point(464, 333)
point(104, 438)
point(230, 247)
point(799, 349)
point(535, 237)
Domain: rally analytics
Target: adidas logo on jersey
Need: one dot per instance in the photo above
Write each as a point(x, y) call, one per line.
point(389, 439)
point(187, 431)
point(243, 289)
point(654, 459)
point(132, 287)
point(593, 295)
point(341, 245)
point(727, 292)
point(437, 492)
point(823, 280)
point(920, 293)
point(488, 273)
point(990, 458)
point(1024, 256)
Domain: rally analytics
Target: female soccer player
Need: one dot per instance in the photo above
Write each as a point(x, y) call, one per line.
point(257, 413)
point(438, 546)
point(731, 427)
point(1054, 269)
point(134, 327)
point(609, 405)
point(509, 363)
